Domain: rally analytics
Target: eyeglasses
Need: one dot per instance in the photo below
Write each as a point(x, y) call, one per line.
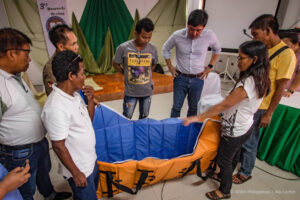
point(78, 56)
point(242, 58)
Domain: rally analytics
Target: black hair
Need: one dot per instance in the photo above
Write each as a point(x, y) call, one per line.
point(12, 39)
point(198, 17)
point(258, 70)
point(264, 22)
point(58, 34)
point(65, 62)
point(294, 37)
point(145, 24)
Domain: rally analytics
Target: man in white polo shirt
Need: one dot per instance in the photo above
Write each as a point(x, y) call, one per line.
point(68, 121)
point(22, 134)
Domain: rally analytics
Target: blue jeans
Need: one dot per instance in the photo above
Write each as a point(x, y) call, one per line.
point(40, 165)
point(192, 87)
point(130, 103)
point(88, 192)
point(249, 148)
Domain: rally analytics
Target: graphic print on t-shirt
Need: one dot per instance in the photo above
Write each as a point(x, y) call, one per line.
point(228, 124)
point(139, 66)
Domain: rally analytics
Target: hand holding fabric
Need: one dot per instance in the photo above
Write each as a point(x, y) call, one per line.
point(189, 120)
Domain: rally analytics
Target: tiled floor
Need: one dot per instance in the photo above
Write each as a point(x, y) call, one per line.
point(261, 186)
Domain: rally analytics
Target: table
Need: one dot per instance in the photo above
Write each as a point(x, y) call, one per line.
point(113, 85)
point(280, 141)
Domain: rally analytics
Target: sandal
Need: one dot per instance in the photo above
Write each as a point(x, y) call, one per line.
point(214, 195)
point(239, 179)
point(215, 177)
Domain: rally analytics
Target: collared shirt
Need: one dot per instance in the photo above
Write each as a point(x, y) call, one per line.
point(191, 54)
point(281, 67)
point(20, 121)
point(66, 118)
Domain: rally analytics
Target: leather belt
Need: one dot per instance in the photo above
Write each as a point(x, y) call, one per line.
point(19, 147)
point(189, 75)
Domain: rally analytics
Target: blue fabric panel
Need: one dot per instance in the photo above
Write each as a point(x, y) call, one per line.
point(128, 141)
point(156, 132)
point(119, 139)
point(170, 130)
point(111, 120)
point(114, 145)
point(123, 120)
point(193, 134)
point(141, 131)
point(98, 119)
point(106, 117)
point(182, 140)
point(101, 145)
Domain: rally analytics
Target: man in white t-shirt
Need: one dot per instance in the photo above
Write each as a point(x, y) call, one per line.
point(22, 134)
point(68, 121)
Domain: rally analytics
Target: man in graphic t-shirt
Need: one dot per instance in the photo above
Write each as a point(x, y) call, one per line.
point(136, 59)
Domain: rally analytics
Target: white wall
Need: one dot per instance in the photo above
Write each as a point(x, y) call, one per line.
point(76, 6)
point(229, 19)
point(193, 4)
point(143, 6)
point(3, 17)
point(292, 16)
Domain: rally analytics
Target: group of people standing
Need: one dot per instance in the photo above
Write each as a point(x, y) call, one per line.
point(266, 64)
point(67, 118)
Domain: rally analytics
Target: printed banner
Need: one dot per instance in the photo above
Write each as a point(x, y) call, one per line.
point(52, 12)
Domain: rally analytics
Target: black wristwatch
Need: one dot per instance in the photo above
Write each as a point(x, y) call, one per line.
point(210, 66)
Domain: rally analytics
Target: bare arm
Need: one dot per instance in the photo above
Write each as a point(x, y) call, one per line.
point(118, 67)
point(266, 118)
point(172, 69)
point(234, 98)
point(214, 59)
point(63, 154)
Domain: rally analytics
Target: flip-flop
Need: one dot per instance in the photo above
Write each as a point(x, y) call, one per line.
point(215, 177)
point(214, 196)
point(241, 179)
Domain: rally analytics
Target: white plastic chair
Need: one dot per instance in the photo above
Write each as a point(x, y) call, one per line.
point(211, 93)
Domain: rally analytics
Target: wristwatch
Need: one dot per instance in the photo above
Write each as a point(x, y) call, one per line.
point(210, 66)
point(290, 91)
